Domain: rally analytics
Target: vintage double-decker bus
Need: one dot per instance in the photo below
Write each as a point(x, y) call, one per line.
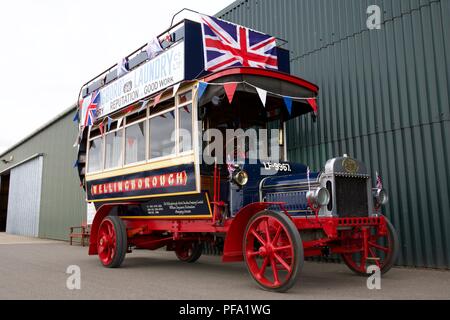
point(142, 161)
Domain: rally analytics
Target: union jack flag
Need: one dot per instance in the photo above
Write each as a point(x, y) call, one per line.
point(379, 181)
point(91, 110)
point(228, 45)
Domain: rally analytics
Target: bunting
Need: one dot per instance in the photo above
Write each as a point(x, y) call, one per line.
point(201, 89)
point(175, 89)
point(109, 123)
point(288, 103)
point(262, 95)
point(230, 89)
point(122, 67)
point(77, 117)
point(153, 48)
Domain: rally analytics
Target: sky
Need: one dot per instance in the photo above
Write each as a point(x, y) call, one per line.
point(50, 48)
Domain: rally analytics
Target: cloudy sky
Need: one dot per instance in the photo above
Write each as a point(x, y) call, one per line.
point(49, 48)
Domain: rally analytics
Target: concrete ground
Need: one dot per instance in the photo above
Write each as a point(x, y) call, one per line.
point(36, 269)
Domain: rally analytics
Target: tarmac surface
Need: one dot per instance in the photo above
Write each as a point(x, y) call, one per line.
point(36, 269)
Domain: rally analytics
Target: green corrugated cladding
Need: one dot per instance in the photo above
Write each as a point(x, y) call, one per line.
point(384, 99)
point(62, 199)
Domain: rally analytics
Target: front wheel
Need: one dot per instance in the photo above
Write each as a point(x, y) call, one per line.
point(112, 242)
point(273, 251)
point(382, 250)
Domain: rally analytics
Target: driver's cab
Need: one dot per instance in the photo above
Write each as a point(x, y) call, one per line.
point(242, 139)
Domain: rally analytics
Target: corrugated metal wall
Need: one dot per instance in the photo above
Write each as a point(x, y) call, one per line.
point(384, 99)
point(24, 199)
point(62, 202)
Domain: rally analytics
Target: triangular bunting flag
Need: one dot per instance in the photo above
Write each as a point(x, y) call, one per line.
point(157, 99)
point(100, 126)
point(77, 117)
point(119, 122)
point(109, 123)
point(144, 105)
point(175, 89)
point(201, 89)
point(262, 95)
point(76, 163)
point(313, 103)
point(129, 109)
point(230, 89)
point(288, 102)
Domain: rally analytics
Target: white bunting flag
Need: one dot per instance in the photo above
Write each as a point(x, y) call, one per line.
point(119, 122)
point(262, 95)
point(175, 89)
point(153, 48)
point(122, 67)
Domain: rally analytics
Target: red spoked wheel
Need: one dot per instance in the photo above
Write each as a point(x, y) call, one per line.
point(112, 242)
point(273, 251)
point(381, 249)
point(188, 252)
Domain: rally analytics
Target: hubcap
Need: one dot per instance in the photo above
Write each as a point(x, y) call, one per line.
point(107, 242)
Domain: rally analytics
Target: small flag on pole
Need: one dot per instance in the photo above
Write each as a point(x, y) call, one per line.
point(379, 181)
point(91, 111)
point(308, 172)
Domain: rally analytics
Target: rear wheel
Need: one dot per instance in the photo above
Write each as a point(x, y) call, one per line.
point(383, 250)
point(112, 242)
point(273, 251)
point(188, 252)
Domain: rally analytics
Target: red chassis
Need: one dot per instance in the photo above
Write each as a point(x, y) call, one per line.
point(272, 243)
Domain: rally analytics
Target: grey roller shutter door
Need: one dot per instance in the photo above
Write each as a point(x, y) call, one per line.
point(25, 198)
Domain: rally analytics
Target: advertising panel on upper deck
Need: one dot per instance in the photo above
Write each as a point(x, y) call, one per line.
point(155, 75)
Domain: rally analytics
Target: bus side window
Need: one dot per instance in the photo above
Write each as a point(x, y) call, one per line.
point(162, 129)
point(113, 148)
point(135, 143)
point(95, 155)
point(185, 136)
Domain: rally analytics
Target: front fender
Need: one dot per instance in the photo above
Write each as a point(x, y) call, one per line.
point(232, 251)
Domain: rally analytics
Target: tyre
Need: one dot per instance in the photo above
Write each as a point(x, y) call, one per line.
point(383, 250)
point(273, 251)
point(112, 242)
point(188, 252)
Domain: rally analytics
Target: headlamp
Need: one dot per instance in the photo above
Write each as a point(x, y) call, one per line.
point(319, 197)
point(240, 177)
point(381, 197)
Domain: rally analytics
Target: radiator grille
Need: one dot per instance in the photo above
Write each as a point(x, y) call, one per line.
point(351, 197)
